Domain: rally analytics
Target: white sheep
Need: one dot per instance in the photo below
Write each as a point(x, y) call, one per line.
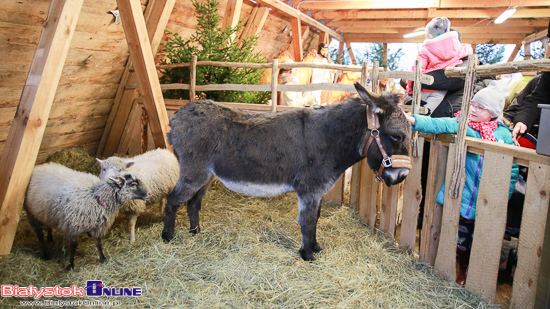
point(158, 170)
point(74, 203)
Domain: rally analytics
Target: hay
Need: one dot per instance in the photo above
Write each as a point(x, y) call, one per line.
point(76, 158)
point(246, 256)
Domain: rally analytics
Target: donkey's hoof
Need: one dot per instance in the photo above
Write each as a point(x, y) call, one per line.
point(316, 248)
point(167, 236)
point(69, 267)
point(195, 231)
point(307, 255)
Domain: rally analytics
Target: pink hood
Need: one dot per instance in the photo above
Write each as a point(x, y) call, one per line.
point(444, 51)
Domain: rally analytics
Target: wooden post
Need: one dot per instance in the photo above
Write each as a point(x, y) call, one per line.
point(29, 123)
point(144, 65)
point(157, 15)
point(445, 262)
point(193, 78)
point(412, 196)
point(374, 79)
point(351, 55)
point(517, 47)
point(297, 38)
point(416, 103)
point(527, 51)
point(356, 173)
point(341, 52)
point(144, 129)
point(431, 226)
point(463, 125)
point(274, 82)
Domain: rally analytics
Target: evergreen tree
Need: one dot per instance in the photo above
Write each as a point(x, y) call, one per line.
point(370, 53)
point(490, 53)
point(212, 43)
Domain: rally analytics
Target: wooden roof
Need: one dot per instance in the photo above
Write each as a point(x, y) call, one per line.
point(386, 21)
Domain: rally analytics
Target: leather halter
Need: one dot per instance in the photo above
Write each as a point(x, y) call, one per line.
point(396, 161)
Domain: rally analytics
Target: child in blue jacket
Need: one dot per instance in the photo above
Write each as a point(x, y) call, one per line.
point(483, 122)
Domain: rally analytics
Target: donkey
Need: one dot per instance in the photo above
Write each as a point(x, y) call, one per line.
point(267, 154)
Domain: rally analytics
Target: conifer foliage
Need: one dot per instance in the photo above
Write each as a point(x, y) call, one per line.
point(212, 43)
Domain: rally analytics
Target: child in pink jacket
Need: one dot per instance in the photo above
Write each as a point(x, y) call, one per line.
point(442, 49)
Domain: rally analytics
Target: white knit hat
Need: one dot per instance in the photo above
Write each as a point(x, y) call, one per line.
point(493, 97)
point(437, 27)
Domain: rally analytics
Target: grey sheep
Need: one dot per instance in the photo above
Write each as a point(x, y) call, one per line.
point(158, 170)
point(74, 203)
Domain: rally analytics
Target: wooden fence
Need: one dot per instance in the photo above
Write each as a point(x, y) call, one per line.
point(380, 206)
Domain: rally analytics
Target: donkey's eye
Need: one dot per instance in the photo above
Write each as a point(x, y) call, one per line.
point(396, 138)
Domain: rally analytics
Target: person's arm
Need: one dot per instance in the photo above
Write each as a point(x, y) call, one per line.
point(529, 112)
point(433, 125)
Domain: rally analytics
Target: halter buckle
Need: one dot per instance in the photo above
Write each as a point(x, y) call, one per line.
point(387, 162)
point(373, 131)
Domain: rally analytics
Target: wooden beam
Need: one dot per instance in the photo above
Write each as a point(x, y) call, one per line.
point(463, 30)
point(29, 123)
point(489, 3)
point(536, 36)
point(297, 39)
point(473, 39)
point(323, 38)
point(473, 23)
point(157, 15)
point(232, 14)
point(292, 12)
point(341, 51)
point(144, 65)
point(517, 47)
point(425, 14)
point(255, 22)
point(357, 5)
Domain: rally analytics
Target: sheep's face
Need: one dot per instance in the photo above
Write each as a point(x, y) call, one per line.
point(129, 187)
point(112, 166)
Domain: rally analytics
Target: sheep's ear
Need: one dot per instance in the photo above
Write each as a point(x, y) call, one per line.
point(372, 99)
point(130, 164)
point(117, 181)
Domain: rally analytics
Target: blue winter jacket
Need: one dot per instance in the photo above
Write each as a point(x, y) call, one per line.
point(474, 162)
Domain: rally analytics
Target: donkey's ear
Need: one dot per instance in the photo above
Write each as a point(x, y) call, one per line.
point(372, 99)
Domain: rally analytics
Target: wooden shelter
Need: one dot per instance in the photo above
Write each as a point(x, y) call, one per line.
point(68, 67)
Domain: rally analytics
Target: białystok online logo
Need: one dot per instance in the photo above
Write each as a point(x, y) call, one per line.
point(93, 288)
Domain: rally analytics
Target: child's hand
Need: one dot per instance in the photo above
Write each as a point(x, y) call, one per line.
point(411, 119)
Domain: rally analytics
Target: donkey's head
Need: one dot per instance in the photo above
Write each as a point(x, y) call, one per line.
point(388, 148)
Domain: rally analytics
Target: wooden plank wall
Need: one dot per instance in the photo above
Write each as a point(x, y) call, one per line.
point(94, 66)
point(90, 77)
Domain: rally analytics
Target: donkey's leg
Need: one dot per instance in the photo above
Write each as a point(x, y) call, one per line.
point(186, 187)
point(194, 206)
point(316, 248)
point(309, 205)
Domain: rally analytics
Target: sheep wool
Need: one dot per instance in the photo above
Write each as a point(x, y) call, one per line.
point(157, 169)
point(74, 202)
